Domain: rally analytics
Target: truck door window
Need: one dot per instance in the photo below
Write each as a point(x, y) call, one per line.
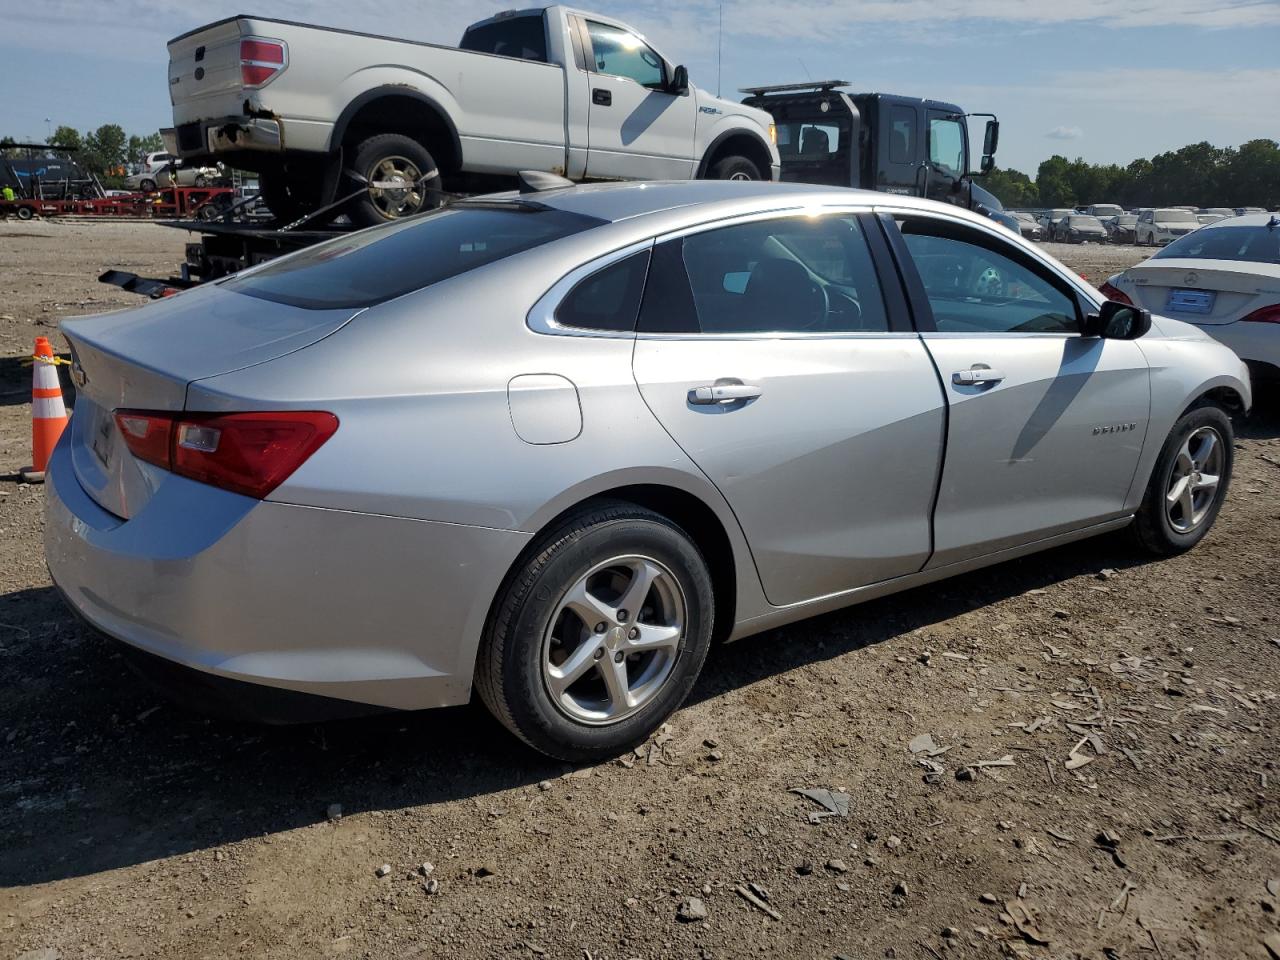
point(946, 145)
point(522, 37)
point(902, 147)
point(622, 54)
point(814, 141)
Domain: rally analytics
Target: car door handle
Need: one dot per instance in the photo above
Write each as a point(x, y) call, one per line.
point(724, 393)
point(976, 375)
point(601, 97)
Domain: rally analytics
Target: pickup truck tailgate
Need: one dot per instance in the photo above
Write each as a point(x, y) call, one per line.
point(206, 63)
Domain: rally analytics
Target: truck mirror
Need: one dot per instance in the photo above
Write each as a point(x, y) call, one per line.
point(988, 163)
point(990, 141)
point(679, 80)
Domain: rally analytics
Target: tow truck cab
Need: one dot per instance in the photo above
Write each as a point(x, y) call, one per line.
point(876, 141)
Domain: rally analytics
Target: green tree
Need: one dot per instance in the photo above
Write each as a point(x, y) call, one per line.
point(68, 137)
point(1013, 187)
point(1053, 182)
point(104, 148)
point(140, 146)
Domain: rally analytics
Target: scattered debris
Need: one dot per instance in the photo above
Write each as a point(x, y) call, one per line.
point(691, 910)
point(333, 811)
point(1261, 831)
point(837, 866)
point(836, 803)
point(383, 870)
point(756, 902)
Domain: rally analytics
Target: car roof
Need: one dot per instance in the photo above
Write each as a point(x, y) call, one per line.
point(620, 201)
point(1247, 220)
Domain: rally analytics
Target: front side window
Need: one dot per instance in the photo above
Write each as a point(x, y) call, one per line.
point(946, 145)
point(521, 37)
point(621, 53)
point(789, 275)
point(972, 287)
point(370, 266)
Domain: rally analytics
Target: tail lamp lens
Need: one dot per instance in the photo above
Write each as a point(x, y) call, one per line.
point(1269, 314)
point(248, 453)
point(260, 60)
point(1115, 293)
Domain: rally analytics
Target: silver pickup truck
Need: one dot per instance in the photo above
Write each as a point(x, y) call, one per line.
point(322, 113)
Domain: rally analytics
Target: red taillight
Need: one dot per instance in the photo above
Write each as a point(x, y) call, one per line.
point(1114, 293)
point(260, 60)
point(249, 453)
point(1269, 314)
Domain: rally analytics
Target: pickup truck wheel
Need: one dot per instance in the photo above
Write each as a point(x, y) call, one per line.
point(400, 179)
point(734, 168)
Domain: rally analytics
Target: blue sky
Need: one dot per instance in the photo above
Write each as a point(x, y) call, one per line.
point(1108, 80)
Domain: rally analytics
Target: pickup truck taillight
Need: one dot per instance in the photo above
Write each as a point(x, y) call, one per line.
point(248, 453)
point(260, 60)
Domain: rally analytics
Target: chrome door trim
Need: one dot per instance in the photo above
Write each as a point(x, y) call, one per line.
point(542, 315)
point(778, 213)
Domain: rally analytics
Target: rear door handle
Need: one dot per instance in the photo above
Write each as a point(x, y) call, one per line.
point(601, 97)
point(724, 393)
point(976, 375)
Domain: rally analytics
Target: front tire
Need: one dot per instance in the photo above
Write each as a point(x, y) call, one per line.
point(584, 691)
point(734, 168)
point(1189, 483)
point(407, 177)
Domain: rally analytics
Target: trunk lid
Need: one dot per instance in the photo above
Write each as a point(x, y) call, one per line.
point(205, 63)
point(145, 359)
point(1233, 288)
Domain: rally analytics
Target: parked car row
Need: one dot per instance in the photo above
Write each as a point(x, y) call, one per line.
point(1110, 223)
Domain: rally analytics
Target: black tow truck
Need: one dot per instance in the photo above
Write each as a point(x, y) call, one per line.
point(878, 141)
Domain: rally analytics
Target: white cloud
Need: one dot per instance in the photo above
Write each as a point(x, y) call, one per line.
point(1065, 133)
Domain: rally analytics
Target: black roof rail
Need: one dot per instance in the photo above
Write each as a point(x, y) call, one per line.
point(822, 85)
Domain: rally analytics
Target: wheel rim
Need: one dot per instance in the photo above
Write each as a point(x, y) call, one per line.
point(614, 640)
point(394, 187)
point(740, 175)
point(1194, 480)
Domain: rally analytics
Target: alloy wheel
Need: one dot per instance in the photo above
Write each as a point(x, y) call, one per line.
point(395, 187)
point(614, 639)
point(1194, 479)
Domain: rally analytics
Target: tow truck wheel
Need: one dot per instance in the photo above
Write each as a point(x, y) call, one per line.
point(25, 213)
point(734, 168)
point(399, 176)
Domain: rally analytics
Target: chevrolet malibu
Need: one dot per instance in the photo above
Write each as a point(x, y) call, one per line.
point(552, 445)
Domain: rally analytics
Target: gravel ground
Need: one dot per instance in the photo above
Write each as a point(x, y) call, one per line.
point(134, 828)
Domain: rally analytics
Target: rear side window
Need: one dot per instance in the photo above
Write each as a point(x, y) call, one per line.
point(1260, 244)
point(902, 146)
point(609, 299)
point(370, 266)
point(522, 37)
point(789, 275)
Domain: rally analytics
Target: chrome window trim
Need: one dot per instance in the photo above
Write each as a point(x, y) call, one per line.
point(777, 213)
point(542, 315)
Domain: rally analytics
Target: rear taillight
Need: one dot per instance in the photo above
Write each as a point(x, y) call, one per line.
point(249, 453)
point(260, 60)
point(1269, 314)
point(1115, 293)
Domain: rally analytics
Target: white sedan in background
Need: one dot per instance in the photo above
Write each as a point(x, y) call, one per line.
point(1225, 279)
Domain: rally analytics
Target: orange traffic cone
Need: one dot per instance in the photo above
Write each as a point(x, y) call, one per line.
point(48, 412)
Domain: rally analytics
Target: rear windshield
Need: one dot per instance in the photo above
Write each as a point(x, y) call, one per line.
point(1250, 244)
point(1084, 222)
point(522, 37)
point(381, 263)
point(1175, 216)
point(1128, 220)
point(1107, 210)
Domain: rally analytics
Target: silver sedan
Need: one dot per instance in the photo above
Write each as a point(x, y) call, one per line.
point(552, 445)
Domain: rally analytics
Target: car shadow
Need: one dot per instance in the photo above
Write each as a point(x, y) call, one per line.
point(98, 772)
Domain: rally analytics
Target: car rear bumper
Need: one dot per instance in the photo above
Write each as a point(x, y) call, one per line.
point(234, 134)
point(376, 611)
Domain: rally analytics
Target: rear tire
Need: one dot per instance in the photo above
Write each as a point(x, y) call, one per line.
point(535, 633)
point(147, 186)
point(1201, 444)
point(392, 158)
point(734, 168)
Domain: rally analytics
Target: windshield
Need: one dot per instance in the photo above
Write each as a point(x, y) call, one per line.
point(1175, 216)
point(1249, 244)
point(380, 263)
point(1107, 210)
point(1089, 222)
point(1128, 220)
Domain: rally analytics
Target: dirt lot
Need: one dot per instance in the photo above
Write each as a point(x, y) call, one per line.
point(130, 827)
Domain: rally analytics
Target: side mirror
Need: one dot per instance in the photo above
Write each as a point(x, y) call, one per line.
point(991, 139)
point(679, 80)
point(988, 163)
point(1118, 321)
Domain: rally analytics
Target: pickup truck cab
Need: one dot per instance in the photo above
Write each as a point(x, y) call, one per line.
point(320, 113)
